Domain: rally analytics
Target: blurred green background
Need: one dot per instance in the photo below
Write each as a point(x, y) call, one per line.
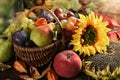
point(8, 9)
point(6, 12)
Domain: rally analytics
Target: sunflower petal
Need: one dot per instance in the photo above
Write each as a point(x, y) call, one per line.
point(102, 40)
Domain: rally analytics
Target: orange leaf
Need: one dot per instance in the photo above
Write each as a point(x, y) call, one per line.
point(20, 66)
point(51, 75)
point(112, 36)
point(40, 21)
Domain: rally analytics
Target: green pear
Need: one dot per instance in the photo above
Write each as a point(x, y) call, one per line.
point(42, 35)
point(6, 51)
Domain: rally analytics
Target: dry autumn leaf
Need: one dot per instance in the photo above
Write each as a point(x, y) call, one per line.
point(34, 72)
point(25, 77)
point(4, 67)
point(20, 66)
point(51, 75)
point(45, 71)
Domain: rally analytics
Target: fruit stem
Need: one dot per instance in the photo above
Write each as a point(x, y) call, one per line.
point(69, 55)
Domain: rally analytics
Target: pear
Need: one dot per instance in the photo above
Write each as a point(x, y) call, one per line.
point(6, 51)
point(42, 35)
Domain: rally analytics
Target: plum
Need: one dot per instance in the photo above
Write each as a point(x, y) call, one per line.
point(45, 14)
point(20, 37)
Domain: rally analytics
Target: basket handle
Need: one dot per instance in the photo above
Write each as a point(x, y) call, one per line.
point(48, 10)
point(54, 16)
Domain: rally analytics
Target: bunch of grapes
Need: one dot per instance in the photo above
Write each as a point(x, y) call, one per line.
point(25, 24)
point(61, 15)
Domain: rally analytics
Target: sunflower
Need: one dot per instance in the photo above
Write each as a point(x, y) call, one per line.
point(91, 35)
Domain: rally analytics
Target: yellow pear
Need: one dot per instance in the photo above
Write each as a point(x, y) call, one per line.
point(42, 35)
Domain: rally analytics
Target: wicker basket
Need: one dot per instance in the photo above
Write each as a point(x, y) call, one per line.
point(39, 56)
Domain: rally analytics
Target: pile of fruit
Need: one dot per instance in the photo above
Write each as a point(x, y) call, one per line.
point(30, 33)
point(86, 36)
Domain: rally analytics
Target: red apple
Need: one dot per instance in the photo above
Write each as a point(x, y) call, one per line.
point(67, 64)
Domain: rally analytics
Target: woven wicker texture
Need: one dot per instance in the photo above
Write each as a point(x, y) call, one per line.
point(39, 56)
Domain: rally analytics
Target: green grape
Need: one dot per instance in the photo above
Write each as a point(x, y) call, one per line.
point(25, 24)
point(24, 20)
point(30, 25)
point(18, 27)
point(12, 28)
point(9, 30)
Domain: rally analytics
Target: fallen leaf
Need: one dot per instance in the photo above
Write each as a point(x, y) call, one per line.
point(45, 71)
point(4, 67)
point(25, 77)
point(20, 66)
point(118, 34)
point(51, 75)
point(34, 72)
point(112, 36)
point(114, 23)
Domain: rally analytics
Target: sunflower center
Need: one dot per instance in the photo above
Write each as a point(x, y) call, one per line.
point(89, 35)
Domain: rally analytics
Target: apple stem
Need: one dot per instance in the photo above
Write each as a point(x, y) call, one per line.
point(69, 55)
